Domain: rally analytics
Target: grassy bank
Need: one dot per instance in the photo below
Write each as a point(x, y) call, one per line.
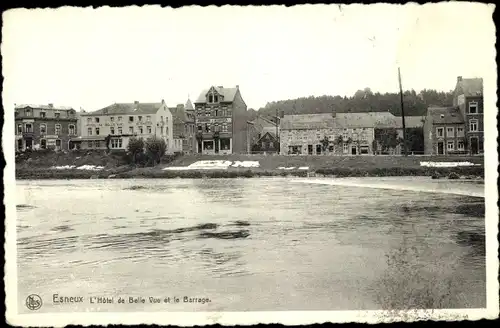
point(155, 173)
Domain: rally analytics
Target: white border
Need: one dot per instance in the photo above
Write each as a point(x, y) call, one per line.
point(240, 318)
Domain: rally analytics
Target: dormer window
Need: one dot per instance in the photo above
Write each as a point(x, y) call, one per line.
point(213, 97)
point(210, 98)
point(473, 107)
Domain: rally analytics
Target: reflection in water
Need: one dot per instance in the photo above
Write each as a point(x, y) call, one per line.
point(271, 244)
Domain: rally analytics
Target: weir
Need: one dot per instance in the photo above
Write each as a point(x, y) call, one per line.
point(454, 188)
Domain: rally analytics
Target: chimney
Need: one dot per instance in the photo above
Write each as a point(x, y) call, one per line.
point(237, 86)
point(136, 102)
point(51, 105)
point(162, 101)
point(220, 87)
point(459, 79)
point(282, 113)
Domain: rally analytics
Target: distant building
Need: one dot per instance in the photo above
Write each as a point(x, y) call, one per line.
point(221, 121)
point(122, 121)
point(468, 96)
point(45, 127)
point(267, 142)
point(346, 133)
point(444, 131)
point(184, 131)
point(257, 128)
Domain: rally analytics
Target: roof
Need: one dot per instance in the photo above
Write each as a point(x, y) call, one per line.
point(178, 114)
point(189, 105)
point(49, 106)
point(307, 122)
point(263, 121)
point(227, 93)
point(445, 115)
point(127, 108)
point(270, 130)
point(471, 87)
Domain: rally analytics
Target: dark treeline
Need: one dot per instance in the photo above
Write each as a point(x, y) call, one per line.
point(416, 104)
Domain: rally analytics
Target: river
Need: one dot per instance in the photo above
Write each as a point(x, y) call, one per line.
point(251, 244)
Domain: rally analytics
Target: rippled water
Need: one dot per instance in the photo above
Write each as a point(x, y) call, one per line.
point(246, 244)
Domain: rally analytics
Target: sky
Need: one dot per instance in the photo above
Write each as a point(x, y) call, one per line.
point(90, 58)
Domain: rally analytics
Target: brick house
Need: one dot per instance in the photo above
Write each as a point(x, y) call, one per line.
point(184, 132)
point(468, 97)
point(122, 121)
point(45, 127)
point(444, 131)
point(221, 121)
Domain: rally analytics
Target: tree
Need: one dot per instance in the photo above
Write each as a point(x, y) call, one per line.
point(388, 139)
point(325, 143)
point(107, 141)
point(135, 147)
point(155, 148)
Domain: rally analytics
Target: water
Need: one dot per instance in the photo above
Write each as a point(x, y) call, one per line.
point(246, 244)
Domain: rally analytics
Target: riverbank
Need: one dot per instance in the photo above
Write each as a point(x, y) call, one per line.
point(155, 173)
point(102, 165)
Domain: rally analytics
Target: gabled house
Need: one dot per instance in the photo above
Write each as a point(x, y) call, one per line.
point(221, 121)
point(267, 142)
point(444, 131)
point(122, 121)
point(468, 97)
point(257, 128)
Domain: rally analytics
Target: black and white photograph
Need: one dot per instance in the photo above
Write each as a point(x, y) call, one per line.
point(239, 165)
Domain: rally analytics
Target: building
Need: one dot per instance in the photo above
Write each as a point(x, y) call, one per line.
point(444, 131)
point(468, 97)
point(267, 142)
point(121, 121)
point(184, 131)
point(302, 134)
point(256, 130)
point(221, 121)
point(45, 127)
point(343, 133)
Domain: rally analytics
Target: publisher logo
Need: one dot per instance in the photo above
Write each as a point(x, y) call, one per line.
point(33, 302)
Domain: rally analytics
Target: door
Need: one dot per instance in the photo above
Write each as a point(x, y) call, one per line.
point(354, 150)
point(20, 144)
point(474, 145)
point(440, 148)
point(29, 144)
point(310, 149)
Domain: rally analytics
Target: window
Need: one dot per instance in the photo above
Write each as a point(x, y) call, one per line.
point(473, 107)
point(43, 128)
point(89, 120)
point(130, 118)
point(96, 131)
point(363, 150)
point(58, 143)
point(90, 143)
point(120, 131)
point(166, 130)
point(460, 132)
point(345, 148)
point(330, 148)
point(440, 132)
point(97, 119)
point(112, 119)
point(131, 129)
point(139, 118)
point(42, 114)
point(119, 118)
point(216, 98)
point(450, 145)
point(161, 130)
point(71, 129)
point(28, 112)
point(224, 127)
point(19, 129)
point(116, 143)
point(450, 132)
point(200, 128)
point(97, 143)
point(112, 130)
point(460, 146)
point(148, 119)
point(141, 131)
point(161, 118)
point(58, 129)
point(89, 131)
point(57, 115)
point(149, 129)
point(210, 98)
point(43, 143)
point(473, 125)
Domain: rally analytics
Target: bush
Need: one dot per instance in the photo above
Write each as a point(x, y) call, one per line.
point(155, 148)
point(135, 147)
